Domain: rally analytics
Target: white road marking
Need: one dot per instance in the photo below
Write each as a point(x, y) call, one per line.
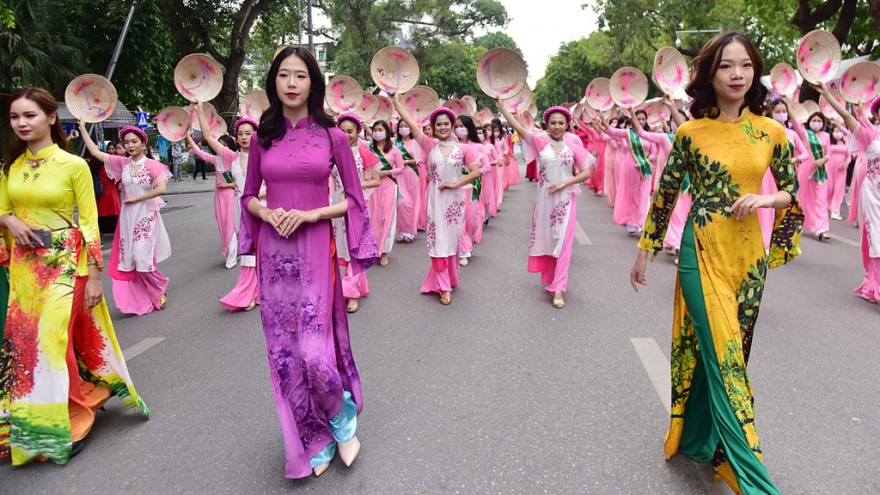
point(140, 347)
point(844, 240)
point(657, 367)
point(581, 235)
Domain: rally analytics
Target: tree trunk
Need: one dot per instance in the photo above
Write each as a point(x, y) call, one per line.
point(874, 7)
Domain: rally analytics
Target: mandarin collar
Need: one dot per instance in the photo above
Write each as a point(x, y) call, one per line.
point(301, 123)
point(43, 153)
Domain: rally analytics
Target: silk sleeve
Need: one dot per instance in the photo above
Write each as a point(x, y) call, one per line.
point(362, 247)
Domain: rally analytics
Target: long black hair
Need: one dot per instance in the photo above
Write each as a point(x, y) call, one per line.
point(272, 125)
point(706, 64)
point(635, 122)
point(228, 141)
point(471, 128)
point(389, 136)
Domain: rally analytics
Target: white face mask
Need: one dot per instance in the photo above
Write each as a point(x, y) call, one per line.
point(781, 117)
point(816, 126)
point(379, 136)
point(496, 134)
point(481, 137)
point(461, 132)
point(403, 131)
point(838, 135)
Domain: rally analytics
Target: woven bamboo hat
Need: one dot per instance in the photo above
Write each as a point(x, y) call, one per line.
point(670, 70)
point(198, 77)
point(343, 94)
point(471, 104)
point(485, 115)
point(533, 109)
point(527, 118)
point(421, 101)
point(394, 70)
point(628, 87)
point(253, 105)
point(386, 109)
point(588, 114)
point(501, 73)
point(215, 123)
point(860, 83)
point(657, 111)
point(368, 106)
point(520, 102)
point(576, 111)
point(827, 109)
point(173, 123)
point(818, 56)
point(798, 112)
point(456, 105)
point(811, 106)
point(783, 79)
point(91, 97)
point(598, 94)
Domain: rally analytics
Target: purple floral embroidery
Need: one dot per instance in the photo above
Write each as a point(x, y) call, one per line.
point(873, 169)
point(868, 226)
point(542, 176)
point(557, 216)
point(533, 236)
point(283, 269)
point(121, 248)
point(455, 213)
point(433, 175)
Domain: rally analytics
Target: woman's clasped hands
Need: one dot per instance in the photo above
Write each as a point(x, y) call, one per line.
point(286, 222)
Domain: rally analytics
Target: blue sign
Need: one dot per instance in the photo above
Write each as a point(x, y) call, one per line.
point(142, 120)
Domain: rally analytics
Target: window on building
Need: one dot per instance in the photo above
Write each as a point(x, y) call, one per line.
point(321, 55)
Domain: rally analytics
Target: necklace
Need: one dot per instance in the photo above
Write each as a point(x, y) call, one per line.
point(36, 163)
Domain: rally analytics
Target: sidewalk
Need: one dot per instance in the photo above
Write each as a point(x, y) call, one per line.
point(189, 186)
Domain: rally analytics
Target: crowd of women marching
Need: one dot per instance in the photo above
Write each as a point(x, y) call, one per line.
point(308, 198)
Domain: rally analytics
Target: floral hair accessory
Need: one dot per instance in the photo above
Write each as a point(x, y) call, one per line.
point(245, 120)
point(437, 111)
point(352, 117)
point(557, 108)
point(137, 130)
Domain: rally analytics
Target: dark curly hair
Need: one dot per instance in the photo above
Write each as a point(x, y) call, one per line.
point(272, 125)
point(706, 65)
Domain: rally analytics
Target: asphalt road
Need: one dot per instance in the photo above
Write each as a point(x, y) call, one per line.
point(497, 393)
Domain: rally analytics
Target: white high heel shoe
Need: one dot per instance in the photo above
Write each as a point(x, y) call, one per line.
point(348, 451)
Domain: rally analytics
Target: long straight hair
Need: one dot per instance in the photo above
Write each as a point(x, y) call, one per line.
point(47, 104)
point(706, 64)
point(389, 136)
point(272, 125)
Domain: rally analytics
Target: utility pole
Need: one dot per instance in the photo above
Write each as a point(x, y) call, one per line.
point(311, 37)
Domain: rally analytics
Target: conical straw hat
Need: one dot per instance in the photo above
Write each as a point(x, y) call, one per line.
point(216, 124)
point(818, 56)
point(394, 70)
point(198, 77)
point(670, 70)
point(861, 82)
point(527, 118)
point(420, 102)
point(486, 115)
point(588, 113)
point(367, 107)
point(520, 102)
point(533, 109)
point(598, 94)
point(173, 123)
point(576, 111)
point(783, 79)
point(386, 109)
point(501, 73)
point(253, 105)
point(91, 97)
point(343, 94)
point(811, 106)
point(456, 105)
point(798, 112)
point(471, 104)
point(827, 109)
point(628, 87)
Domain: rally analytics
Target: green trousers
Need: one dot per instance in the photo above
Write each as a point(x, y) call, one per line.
point(709, 420)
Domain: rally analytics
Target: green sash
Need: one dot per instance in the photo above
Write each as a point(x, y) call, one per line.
point(406, 155)
point(638, 152)
point(477, 190)
point(821, 174)
point(386, 164)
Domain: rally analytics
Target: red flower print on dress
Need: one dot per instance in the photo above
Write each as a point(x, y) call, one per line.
point(20, 353)
point(88, 343)
point(455, 213)
point(144, 228)
point(557, 216)
point(431, 233)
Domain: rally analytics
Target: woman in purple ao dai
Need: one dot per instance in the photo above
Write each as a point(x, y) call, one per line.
point(314, 379)
point(555, 214)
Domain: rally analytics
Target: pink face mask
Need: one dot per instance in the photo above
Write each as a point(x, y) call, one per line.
point(461, 132)
point(404, 131)
point(781, 117)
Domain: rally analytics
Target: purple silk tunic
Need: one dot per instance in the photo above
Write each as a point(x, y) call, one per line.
point(301, 302)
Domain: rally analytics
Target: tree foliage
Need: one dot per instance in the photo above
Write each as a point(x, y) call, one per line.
point(450, 68)
point(143, 76)
point(497, 39)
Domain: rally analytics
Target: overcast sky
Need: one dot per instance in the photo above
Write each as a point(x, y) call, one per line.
point(539, 27)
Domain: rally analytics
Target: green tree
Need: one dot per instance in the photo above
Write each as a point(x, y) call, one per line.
point(7, 17)
point(278, 26)
point(144, 72)
point(450, 68)
point(573, 67)
point(360, 28)
point(497, 39)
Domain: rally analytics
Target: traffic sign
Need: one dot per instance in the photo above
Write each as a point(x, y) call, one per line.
point(142, 120)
